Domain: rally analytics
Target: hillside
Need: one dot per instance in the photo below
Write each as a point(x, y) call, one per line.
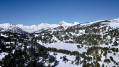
point(93, 44)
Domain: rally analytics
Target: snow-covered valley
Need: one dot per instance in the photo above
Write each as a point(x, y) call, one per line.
point(93, 44)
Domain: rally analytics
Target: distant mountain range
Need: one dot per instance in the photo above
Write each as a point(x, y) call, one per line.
point(7, 27)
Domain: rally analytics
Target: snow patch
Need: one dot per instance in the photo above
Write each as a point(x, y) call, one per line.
point(2, 55)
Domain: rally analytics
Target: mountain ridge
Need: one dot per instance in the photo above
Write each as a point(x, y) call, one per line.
point(45, 26)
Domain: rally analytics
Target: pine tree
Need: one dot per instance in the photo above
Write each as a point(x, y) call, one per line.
point(115, 43)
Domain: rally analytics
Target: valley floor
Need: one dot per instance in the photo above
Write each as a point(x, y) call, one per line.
point(73, 47)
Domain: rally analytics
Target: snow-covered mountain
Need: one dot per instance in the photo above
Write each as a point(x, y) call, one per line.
point(110, 22)
point(44, 26)
point(93, 44)
point(33, 28)
point(7, 27)
point(65, 24)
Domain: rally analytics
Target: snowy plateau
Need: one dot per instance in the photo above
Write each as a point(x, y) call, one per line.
point(92, 44)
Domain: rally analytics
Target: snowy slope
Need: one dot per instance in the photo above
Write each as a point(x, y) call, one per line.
point(68, 63)
point(65, 24)
point(6, 26)
point(2, 55)
point(114, 23)
point(67, 46)
point(34, 28)
point(89, 23)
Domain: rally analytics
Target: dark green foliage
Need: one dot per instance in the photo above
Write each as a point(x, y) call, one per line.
point(49, 65)
point(77, 63)
point(89, 58)
point(91, 39)
point(56, 63)
point(115, 43)
point(24, 55)
point(63, 51)
point(77, 58)
point(33, 64)
point(114, 49)
point(51, 59)
point(94, 50)
point(89, 65)
point(114, 53)
point(98, 58)
point(84, 63)
point(102, 65)
point(97, 64)
point(42, 51)
point(15, 59)
point(64, 58)
point(78, 46)
point(111, 58)
point(105, 53)
point(72, 62)
point(105, 48)
point(107, 60)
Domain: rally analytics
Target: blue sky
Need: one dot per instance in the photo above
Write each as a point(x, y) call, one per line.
point(29, 12)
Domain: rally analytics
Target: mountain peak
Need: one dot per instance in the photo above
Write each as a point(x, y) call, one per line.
point(62, 23)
